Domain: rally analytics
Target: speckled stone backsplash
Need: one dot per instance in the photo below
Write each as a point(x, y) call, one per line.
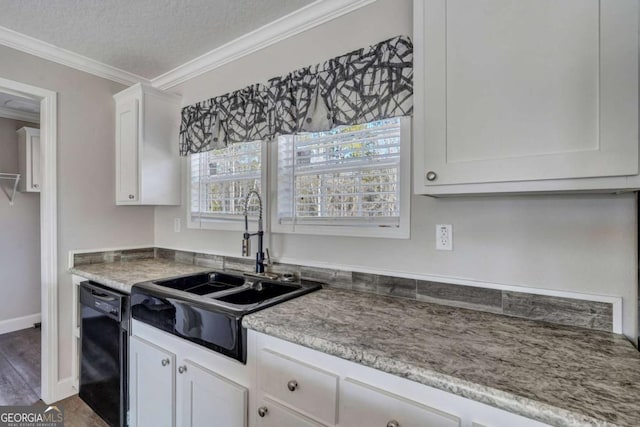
point(564, 311)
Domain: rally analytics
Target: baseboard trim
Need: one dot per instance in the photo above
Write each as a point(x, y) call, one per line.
point(63, 389)
point(19, 323)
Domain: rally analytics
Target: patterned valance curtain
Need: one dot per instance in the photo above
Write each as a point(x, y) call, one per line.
point(365, 85)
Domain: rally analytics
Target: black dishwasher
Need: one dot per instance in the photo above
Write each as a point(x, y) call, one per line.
point(104, 351)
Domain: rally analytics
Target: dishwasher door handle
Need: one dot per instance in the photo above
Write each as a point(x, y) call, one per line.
point(101, 296)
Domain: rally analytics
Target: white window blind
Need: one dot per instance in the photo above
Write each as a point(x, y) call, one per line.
point(221, 178)
point(347, 176)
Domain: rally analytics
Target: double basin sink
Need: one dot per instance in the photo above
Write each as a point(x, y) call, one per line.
point(207, 308)
point(234, 291)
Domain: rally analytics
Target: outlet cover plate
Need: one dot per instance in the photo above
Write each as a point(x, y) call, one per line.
point(444, 237)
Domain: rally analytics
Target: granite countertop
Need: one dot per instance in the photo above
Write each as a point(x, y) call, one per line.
point(122, 275)
point(559, 375)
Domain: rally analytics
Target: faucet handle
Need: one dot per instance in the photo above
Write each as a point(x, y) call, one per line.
point(268, 257)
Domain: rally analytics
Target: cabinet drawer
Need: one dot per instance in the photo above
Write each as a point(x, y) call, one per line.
point(363, 406)
point(301, 386)
point(270, 414)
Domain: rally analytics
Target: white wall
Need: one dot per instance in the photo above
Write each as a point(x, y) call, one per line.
point(19, 235)
point(87, 215)
point(580, 243)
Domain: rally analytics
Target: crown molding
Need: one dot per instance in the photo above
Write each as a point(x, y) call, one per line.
point(53, 53)
point(8, 113)
point(301, 20)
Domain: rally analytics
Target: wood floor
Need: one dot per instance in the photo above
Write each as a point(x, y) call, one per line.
point(20, 367)
point(78, 414)
point(20, 379)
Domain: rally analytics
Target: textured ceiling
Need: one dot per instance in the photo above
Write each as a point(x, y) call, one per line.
point(145, 37)
point(18, 103)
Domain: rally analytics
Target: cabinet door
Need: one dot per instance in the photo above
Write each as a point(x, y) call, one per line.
point(271, 414)
point(206, 398)
point(151, 385)
point(127, 153)
point(34, 161)
point(29, 159)
point(364, 406)
point(525, 90)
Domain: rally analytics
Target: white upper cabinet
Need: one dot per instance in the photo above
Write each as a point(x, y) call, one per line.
point(525, 95)
point(29, 159)
point(147, 159)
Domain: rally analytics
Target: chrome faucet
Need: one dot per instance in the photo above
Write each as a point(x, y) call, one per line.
point(246, 242)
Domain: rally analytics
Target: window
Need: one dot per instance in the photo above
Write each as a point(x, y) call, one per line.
point(352, 180)
point(219, 181)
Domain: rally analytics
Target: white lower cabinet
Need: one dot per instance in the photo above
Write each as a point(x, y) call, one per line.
point(175, 383)
point(362, 406)
point(207, 396)
point(168, 388)
point(151, 385)
point(300, 387)
point(271, 414)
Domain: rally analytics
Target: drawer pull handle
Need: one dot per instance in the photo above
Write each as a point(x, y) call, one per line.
point(292, 385)
point(131, 196)
point(165, 362)
point(393, 423)
point(262, 411)
point(182, 369)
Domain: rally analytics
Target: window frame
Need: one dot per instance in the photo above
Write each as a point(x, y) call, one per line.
point(401, 232)
point(232, 224)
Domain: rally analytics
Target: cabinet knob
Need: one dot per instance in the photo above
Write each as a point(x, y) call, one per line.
point(393, 423)
point(431, 176)
point(182, 369)
point(262, 411)
point(36, 186)
point(131, 197)
point(165, 362)
point(292, 385)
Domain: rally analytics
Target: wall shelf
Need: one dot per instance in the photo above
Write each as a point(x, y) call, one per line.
point(14, 186)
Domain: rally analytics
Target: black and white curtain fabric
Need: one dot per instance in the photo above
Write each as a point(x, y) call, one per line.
point(365, 85)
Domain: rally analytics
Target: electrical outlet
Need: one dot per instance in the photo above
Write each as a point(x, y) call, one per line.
point(177, 225)
point(444, 237)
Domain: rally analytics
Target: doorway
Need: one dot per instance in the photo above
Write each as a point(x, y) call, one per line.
point(20, 339)
point(50, 387)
